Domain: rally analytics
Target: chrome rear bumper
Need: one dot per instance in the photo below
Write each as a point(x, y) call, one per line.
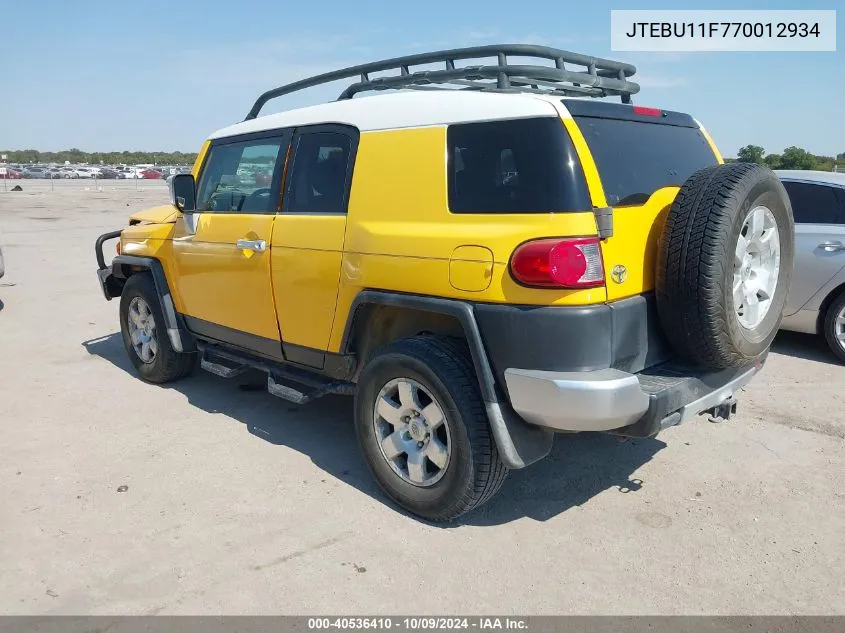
point(611, 400)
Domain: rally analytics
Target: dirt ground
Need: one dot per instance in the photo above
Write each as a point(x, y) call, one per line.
point(121, 497)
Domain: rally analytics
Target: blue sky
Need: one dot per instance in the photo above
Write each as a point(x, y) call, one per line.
point(161, 74)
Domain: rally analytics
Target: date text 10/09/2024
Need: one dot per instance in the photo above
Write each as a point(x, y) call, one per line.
point(419, 623)
point(722, 29)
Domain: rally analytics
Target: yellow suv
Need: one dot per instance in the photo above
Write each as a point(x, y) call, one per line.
point(484, 255)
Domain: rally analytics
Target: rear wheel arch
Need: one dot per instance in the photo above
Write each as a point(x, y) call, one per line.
point(377, 318)
point(373, 321)
point(832, 296)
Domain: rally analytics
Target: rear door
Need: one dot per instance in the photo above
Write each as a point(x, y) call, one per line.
point(223, 268)
point(819, 211)
point(308, 238)
point(642, 155)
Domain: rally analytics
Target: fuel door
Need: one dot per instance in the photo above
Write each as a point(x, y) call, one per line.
point(471, 268)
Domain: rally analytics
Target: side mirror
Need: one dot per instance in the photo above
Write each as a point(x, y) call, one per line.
point(183, 192)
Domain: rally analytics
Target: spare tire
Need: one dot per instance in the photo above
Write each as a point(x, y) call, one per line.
point(725, 265)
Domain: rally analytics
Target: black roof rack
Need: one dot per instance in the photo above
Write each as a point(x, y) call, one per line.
point(596, 78)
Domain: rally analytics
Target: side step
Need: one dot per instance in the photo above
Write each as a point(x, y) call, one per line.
point(296, 396)
point(290, 383)
point(219, 367)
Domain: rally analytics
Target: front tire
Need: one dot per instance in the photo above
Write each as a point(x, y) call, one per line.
point(144, 334)
point(423, 428)
point(834, 326)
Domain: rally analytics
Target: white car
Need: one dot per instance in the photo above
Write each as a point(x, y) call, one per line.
point(129, 172)
point(87, 172)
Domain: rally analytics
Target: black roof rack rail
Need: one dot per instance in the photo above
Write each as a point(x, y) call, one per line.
point(596, 78)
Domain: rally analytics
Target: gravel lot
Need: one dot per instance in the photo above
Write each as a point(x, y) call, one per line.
point(238, 502)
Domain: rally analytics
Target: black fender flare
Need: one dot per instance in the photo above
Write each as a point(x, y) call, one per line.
point(520, 444)
point(180, 337)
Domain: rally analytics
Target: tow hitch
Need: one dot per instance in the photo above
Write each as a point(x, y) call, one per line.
point(724, 411)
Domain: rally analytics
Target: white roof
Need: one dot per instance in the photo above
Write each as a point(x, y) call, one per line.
point(826, 177)
point(408, 109)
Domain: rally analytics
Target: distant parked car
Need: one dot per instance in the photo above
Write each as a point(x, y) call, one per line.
point(128, 172)
point(108, 174)
point(151, 174)
point(816, 300)
point(11, 174)
point(35, 172)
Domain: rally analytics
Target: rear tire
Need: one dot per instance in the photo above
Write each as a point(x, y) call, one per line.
point(725, 265)
point(437, 372)
point(834, 326)
point(144, 332)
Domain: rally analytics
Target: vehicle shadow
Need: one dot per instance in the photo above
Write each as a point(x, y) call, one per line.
point(579, 467)
point(806, 346)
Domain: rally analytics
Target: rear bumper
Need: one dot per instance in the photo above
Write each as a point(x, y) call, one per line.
point(639, 405)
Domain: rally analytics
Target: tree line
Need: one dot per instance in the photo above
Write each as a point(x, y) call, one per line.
point(791, 158)
point(75, 155)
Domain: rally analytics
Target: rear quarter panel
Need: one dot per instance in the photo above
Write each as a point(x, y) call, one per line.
point(400, 234)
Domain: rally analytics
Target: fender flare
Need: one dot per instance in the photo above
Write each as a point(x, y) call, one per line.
point(177, 331)
point(519, 443)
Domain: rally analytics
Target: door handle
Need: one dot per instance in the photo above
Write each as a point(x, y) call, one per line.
point(832, 247)
point(259, 246)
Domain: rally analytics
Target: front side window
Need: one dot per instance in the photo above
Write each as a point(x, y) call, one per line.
point(514, 166)
point(238, 177)
point(318, 181)
point(814, 204)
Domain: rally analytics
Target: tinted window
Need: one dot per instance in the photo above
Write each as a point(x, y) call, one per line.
point(814, 204)
point(519, 166)
point(238, 177)
point(318, 180)
point(635, 159)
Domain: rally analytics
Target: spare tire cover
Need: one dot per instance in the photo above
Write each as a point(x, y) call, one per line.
point(724, 265)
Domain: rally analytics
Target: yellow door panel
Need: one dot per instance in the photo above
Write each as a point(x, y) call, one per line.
point(306, 260)
point(221, 283)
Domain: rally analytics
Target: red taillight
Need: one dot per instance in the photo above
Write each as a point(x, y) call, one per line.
point(117, 247)
point(647, 111)
point(559, 263)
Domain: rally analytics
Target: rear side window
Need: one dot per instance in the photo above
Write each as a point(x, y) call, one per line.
point(635, 158)
point(514, 166)
point(320, 174)
point(814, 204)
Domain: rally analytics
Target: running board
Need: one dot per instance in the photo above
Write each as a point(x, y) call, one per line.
point(296, 396)
point(288, 382)
point(219, 369)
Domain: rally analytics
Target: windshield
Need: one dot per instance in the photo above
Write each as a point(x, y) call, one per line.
point(636, 158)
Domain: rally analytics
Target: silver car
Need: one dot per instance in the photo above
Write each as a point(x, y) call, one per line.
point(816, 301)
